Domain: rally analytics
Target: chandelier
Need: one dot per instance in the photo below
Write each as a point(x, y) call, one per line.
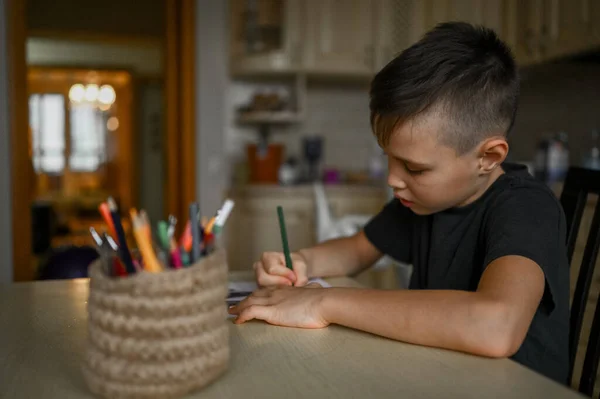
point(101, 97)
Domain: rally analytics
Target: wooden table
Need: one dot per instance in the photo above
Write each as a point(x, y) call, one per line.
point(43, 333)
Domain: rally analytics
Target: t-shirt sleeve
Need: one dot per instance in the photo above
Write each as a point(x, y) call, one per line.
point(390, 231)
point(530, 223)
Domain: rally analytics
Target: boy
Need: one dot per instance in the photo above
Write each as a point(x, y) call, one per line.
point(486, 240)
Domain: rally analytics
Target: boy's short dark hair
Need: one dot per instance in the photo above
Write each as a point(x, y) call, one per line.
point(462, 71)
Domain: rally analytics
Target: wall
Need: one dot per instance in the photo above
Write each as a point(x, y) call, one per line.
point(557, 97)
point(115, 17)
point(150, 141)
point(338, 112)
point(6, 268)
point(145, 58)
point(212, 168)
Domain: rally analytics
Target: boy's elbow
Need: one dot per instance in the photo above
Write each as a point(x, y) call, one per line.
point(499, 347)
point(499, 337)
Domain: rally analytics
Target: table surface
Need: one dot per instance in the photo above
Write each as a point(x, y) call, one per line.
point(43, 334)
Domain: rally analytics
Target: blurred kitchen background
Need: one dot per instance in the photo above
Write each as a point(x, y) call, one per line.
point(162, 102)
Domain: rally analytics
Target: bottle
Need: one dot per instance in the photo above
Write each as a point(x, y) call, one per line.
point(592, 159)
point(541, 160)
point(563, 156)
point(552, 158)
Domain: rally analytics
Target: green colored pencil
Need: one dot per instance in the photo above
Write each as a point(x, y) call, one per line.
point(284, 240)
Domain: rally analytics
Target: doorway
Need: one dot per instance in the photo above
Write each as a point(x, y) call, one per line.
point(97, 111)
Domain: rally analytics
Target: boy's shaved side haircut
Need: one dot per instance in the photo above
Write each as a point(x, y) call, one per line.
point(462, 73)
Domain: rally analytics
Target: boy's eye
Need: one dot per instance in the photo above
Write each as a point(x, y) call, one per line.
point(413, 171)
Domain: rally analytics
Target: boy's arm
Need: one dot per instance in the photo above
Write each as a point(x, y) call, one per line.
point(340, 257)
point(492, 321)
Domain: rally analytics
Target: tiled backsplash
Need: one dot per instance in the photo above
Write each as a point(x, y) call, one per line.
point(558, 97)
point(340, 113)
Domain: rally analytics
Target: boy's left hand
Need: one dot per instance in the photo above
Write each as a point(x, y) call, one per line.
point(284, 306)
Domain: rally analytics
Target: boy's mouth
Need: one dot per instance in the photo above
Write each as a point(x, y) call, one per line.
point(405, 202)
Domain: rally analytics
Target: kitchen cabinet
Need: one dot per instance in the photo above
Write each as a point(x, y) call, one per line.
point(488, 13)
point(253, 227)
point(358, 37)
point(398, 25)
point(339, 37)
point(524, 29)
point(480, 12)
point(594, 36)
point(567, 26)
point(265, 36)
point(542, 30)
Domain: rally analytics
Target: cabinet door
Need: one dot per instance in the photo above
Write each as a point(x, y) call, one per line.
point(524, 20)
point(265, 36)
point(478, 12)
point(343, 206)
point(566, 27)
point(594, 36)
point(339, 37)
point(398, 24)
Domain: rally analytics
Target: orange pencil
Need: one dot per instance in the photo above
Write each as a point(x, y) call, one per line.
point(210, 225)
point(146, 221)
point(186, 238)
point(150, 261)
point(105, 212)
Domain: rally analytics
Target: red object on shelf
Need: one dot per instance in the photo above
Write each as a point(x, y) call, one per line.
point(264, 163)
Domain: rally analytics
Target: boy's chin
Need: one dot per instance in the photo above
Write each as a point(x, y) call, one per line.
point(418, 210)
point(424, 211)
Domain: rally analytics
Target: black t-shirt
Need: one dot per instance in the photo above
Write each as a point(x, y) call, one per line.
point(517, 215)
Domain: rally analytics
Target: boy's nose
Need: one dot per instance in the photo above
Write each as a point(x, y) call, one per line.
point(396, 182)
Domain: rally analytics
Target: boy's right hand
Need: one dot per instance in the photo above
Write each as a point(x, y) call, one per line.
point(271, 270)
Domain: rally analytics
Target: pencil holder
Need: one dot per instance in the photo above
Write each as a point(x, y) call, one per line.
point(157, 335)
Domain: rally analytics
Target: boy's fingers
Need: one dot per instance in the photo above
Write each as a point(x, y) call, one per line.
point(265, 279)
point(301, 280)
point(251, 301)
point(253, 312)
point(301, 275)
point(278, 269)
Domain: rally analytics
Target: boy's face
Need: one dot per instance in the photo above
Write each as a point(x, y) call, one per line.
point(427, 175)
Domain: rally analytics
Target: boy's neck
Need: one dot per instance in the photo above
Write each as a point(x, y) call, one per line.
point(490, 179)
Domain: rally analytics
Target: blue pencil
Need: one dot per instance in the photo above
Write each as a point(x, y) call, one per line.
point(196, 250)
point(123, 249)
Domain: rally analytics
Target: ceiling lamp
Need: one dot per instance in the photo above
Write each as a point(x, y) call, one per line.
point(107, 95)
point(77, 93)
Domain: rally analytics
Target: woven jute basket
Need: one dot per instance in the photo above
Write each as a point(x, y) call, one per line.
point(157, 335)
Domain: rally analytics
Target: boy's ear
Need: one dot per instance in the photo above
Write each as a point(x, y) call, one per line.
point(492, 153)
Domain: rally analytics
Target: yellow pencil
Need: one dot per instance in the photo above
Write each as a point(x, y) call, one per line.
point(141, 237)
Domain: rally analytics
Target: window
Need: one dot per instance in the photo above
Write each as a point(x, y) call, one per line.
point(89, 122)
point(88, 137)
point(47, 121)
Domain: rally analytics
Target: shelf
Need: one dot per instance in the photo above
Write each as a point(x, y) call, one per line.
point(282, 117)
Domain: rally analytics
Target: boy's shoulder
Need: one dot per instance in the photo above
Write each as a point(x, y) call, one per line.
point(518, 204)
point(517, 189)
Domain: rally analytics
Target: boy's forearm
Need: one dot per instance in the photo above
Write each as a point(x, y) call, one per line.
point(337, 257)
point(456, 320)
